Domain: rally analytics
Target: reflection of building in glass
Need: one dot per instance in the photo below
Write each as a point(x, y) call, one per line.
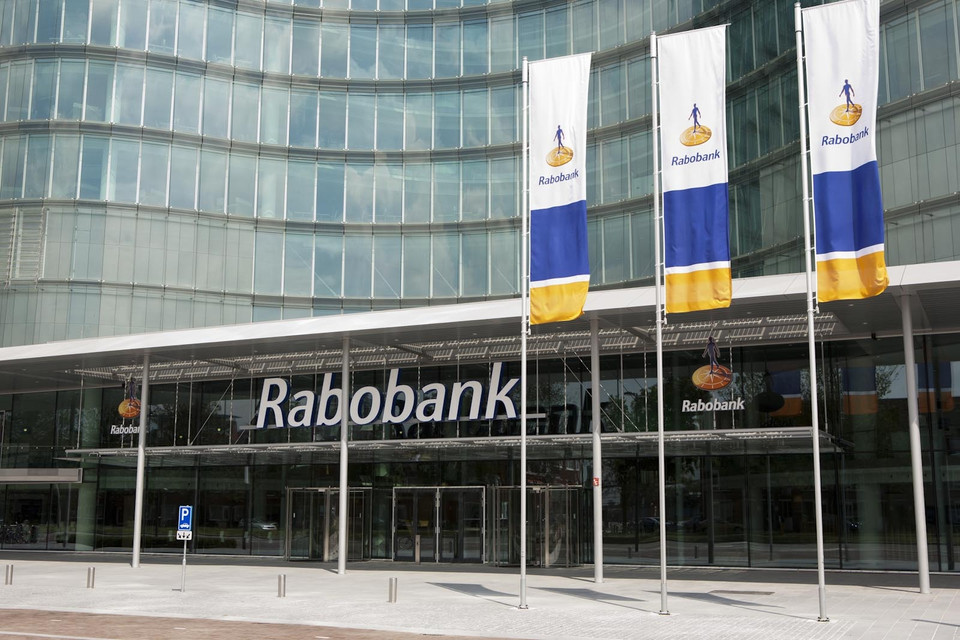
point(240, 172)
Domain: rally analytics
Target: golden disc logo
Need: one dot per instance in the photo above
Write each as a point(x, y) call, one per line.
point(847, 114)
point(559, 155)
point(129, 408)
point(712, 378)
point(698, 133)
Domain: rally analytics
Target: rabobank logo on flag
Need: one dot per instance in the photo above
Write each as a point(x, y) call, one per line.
point(841, 45)
point(692, 82)
point(559, 263)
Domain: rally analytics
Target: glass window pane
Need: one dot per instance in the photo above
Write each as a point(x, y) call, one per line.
point(48, 21)
point(301, 176)
point(503, 115)
point(153, 174)
point(103, 22)
point(389, 192)
point(611, 23)
point(132, 31)
point(938, 45)
point(246, 103)
point(386, 266)
point(66, 161)
point(183, 178)
point(162, 28)
point(446, 132)
point(419, 51)
point(584, 27)
point(273, 116)
point(614, 171)
point(475, 264)
point(390, 57)
point(416, 192)
point(246, 47)
point(503, 188)
point(216, 101)
point(70, 100)
point(327, 265)
point(213, 167)
point(330, 185)
point(475, 118)
point(416, 266)
point(358, 253)
point(18, 91)
point(99, 89)
point(38, 167)
point(276, 45)
point(268, 266)
point(612, 98)
point(530, 26)
point(190, 35)
point(616, 250)
point(125, 160)
point(306, 47)
point(446, 191)
point(219, 35)
point(389, 121)
point(446, 265)
point(333, 51)
point(363, 50)
point(240, 187)
point(44, 89)
point(475, 185)
point(75, 20)
point(418, 126)
point(186, 103)
point(129, 95)
point(557, 27)
point(503, 44)
point(447, 53)
point(93, 173)
point(156, 109)
point(298, 264)
point(270, 186)
point(333, 115)
point(303, 119)
point(504, 254)
point(361, 113)
point(11, 177)
point(359, 192)
point(475, 48)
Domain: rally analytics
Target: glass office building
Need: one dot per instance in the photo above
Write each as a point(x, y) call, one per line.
point(231, 190)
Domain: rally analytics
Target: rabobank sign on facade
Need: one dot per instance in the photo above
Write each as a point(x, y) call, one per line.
point(281, 406)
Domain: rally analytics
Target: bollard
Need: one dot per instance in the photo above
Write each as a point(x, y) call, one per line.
point(8, 574)
point(91, 576)
point(416, 549)
point(282, 585)
point(392, 595)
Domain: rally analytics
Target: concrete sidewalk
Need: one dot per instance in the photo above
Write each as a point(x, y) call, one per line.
point(481, 601)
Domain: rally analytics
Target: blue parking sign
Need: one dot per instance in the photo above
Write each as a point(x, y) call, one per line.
point(186, 518)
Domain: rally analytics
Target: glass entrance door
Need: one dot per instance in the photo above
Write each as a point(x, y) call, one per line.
point(553, 532)
point(313, 525)
point(438, 524)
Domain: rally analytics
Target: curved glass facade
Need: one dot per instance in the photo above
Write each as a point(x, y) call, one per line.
point(173, 164)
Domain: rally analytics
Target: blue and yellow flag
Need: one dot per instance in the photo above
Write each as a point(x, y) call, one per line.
point(693, 132)
point(842, 48)
point(559, 262)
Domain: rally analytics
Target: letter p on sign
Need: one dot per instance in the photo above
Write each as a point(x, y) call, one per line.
point(186, 518)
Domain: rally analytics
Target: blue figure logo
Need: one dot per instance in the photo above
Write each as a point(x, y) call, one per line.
point(698, 133)
point(560, 154)
point(849, 112)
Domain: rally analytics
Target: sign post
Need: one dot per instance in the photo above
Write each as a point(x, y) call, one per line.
point(185, 533)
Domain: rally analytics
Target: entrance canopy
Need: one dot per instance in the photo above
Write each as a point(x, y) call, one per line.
point(765, 310)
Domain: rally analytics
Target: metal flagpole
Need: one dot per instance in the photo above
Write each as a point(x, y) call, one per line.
point(811, 338)
point(141, 461)
point(597, 455)
point(524, 328)
point(344, 432)
point(661, 465)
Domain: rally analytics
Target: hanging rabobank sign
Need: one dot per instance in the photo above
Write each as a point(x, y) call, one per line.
point(397, 404)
